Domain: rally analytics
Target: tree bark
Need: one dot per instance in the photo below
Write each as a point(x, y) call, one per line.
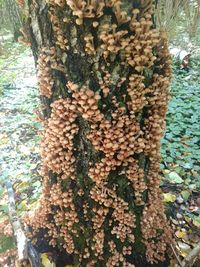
point(103, 73)
point(14, 17)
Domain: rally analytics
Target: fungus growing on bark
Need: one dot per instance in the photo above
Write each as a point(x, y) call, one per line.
point(137, 93)
point(121, 16)
point(136, 176)
point(117, 257)
point(86, 9)
point(111, 3)
point(61, 40)
point(57, 143)
point(89, 47)
point(111, 41)
point(60, 3)
point(101, 142)
point(154, 126)
point(85, 100)
point(44, 72)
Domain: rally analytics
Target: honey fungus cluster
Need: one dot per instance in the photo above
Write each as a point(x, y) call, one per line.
point(57, 143)
point(101, 142)
point(44, 71)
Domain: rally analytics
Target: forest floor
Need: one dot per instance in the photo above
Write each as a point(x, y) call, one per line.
point(19, 147)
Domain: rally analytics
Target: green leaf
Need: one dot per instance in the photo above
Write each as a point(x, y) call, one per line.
point(174, 178)
point(168, 197)
point(188, 165)
point(185, 194)
point(196, 222)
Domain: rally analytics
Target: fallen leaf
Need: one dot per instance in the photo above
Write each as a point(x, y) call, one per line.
point(46, 261)
point(23, 205)
point(179, 216)
point(4, 139)
point(168, 197)
point(196, 223)
point(180, 233)
point(22, 185)
point(185, 194)
point(173, 177)
point(184, 248)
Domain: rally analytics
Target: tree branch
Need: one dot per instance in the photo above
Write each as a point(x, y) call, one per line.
point(176, 256)
point(26, 251)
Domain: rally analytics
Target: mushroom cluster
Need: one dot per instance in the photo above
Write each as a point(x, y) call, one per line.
point(112, 39)
point(64, 221)
point(121, 16)
point(105, 82)
point(122, 223)
point(89, 46)
point(114, 138)
point(118, 257)
point(61, 40)
point(94, 9)
point(118, 139)
point(57, 144)
point(85, 101)
point(59, 3)
point(154, 226)
point(137, 93)
point(135, 50)
point(115, 119)
point(86, 9)
point(137, 178)
point(125, 219)
point(154, 218)
point(44, 71)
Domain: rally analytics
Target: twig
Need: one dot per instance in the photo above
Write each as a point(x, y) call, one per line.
point(26, 251)
point(176, 256)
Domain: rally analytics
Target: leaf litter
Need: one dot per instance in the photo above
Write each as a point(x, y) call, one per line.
point(19, 139)
point(181, 158)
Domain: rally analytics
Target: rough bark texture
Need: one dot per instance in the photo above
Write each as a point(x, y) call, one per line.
point(14, 17)
point(103, 73)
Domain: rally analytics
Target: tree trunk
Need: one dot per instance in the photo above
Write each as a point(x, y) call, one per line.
point(103, 73)
point(14, 17)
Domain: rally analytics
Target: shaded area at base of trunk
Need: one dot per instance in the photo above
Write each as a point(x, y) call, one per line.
point(61, 258)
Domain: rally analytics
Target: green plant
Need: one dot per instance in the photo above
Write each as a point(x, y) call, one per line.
point(180, 146)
